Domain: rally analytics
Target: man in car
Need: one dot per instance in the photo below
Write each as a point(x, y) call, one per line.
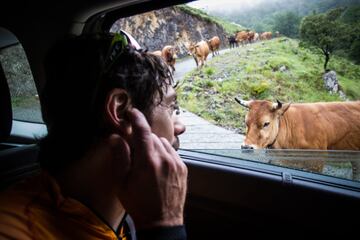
point(110, 149)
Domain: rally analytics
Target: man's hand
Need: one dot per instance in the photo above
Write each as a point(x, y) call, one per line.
point(154, 187)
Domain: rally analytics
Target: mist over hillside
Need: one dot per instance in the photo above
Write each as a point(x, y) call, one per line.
point(259, 14)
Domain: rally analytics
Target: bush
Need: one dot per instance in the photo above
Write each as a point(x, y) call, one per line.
point(209, 71)
point(258, 90)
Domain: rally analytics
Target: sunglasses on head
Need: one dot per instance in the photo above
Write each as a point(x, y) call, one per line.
point(118, 43)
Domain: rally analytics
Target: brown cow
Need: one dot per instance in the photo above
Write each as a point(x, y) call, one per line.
point(242, 37)
point(214, 45)
point(251, 36)
point(169, 54)
point(157, 53)
point(333, 125)
point(199, 51)
point(266, 36)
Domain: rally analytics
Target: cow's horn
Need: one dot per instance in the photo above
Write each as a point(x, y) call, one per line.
point(277, 105)
point(243, 103)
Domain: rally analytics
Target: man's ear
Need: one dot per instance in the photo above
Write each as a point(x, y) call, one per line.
point(117, 103)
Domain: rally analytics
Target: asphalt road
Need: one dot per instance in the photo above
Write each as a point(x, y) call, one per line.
point(187, 64)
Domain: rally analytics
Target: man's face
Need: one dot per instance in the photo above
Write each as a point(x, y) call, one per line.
point(164, 122)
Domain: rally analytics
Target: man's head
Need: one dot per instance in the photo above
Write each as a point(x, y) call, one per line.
point(85, 93)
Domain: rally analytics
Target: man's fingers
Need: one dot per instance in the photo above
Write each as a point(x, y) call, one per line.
point(174, 156)
point(141, 131)
point(167, 145)
point(159, 144)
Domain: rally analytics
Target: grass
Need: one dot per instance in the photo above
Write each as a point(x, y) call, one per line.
point(275, 69)
point(230, 28)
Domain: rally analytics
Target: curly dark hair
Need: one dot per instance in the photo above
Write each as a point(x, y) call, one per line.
point(76, 88)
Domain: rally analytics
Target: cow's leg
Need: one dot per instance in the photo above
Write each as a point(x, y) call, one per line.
point(201, 63)
point(196, 61)
point(204, 59)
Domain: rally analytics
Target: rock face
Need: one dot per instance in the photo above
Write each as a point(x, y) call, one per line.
point(17, 71)
point(169, 26)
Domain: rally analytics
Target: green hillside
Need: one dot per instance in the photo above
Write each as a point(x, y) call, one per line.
point(275, 69)
point(230, 28)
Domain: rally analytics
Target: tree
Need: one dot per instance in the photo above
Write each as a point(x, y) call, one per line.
point(352, 18)
point(351, 15)
point(287, 23)
point(326, 32)
point(354, 52)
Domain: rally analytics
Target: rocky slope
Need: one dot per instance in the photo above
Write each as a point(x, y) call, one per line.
point(169, 26)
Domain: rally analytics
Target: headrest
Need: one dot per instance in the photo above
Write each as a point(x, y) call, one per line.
point(5, 107)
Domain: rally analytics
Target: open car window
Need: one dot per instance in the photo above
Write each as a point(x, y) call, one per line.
point(264, 52)
point(24, 96)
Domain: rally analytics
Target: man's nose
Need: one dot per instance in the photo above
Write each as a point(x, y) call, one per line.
point(179, 127)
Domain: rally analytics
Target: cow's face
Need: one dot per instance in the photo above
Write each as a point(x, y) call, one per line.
point(172, 52)
point(191, 48)
point(262, 122)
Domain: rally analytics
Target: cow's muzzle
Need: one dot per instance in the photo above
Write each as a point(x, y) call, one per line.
point(246, 147)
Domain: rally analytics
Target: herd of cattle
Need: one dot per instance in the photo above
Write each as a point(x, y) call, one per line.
point(200, 50)
point(244, 37)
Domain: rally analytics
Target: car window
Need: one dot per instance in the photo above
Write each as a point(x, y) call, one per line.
point(24, 97)
point(227, 54)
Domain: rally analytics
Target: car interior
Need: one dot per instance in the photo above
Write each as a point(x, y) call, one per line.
point(224, 201)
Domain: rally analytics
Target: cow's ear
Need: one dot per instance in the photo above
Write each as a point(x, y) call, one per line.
point(284, 108)
point(116, 105)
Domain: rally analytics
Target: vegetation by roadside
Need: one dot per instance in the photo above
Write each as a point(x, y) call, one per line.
point(275, 69)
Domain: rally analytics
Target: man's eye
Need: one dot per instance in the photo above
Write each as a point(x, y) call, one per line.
point(177, 109)
point(266, 124)
point(174, 108)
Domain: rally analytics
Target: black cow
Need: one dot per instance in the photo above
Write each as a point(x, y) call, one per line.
point(232, 42)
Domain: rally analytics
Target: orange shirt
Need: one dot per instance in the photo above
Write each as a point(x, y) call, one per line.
point(36, 209)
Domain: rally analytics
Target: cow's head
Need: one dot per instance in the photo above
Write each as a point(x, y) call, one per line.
point(170, 54)
point(262, 122)
point(192, 48)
